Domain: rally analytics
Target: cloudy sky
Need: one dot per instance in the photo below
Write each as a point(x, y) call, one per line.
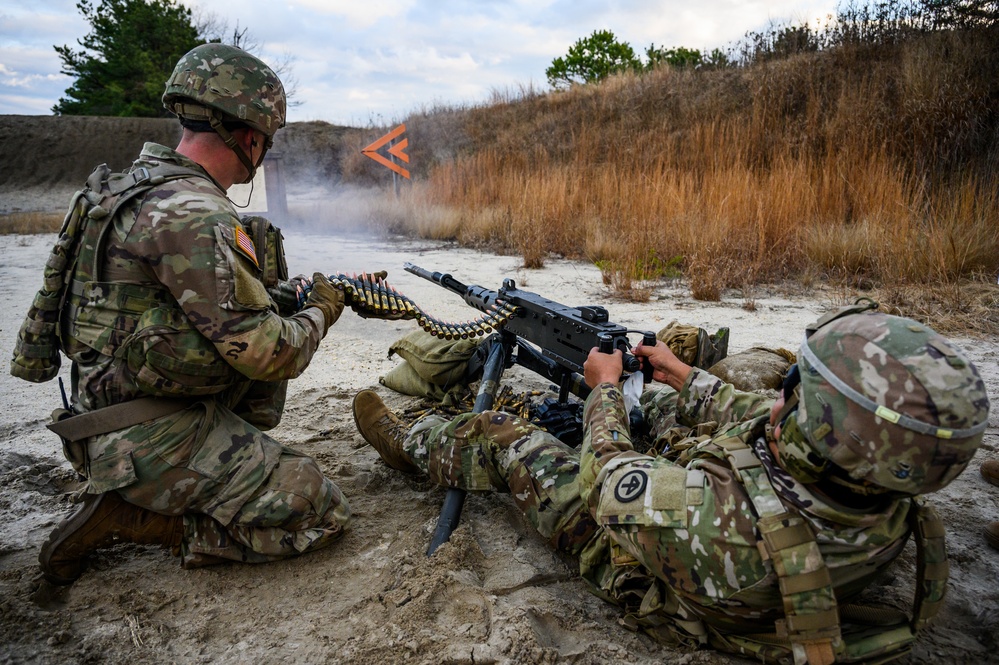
point(360, 62)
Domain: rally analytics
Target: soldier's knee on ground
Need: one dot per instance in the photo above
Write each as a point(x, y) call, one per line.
point(297, 495)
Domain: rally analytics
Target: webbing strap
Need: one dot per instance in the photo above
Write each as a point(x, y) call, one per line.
point(932, 567)
point(155, 175)
point(113, 418)
point(811, 622)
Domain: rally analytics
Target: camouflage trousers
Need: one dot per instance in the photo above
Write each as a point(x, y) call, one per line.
point(244, 496)
point(498, 451)
point(495, 450)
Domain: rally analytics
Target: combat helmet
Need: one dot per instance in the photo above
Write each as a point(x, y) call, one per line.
point(885, 405)
point(223, 84)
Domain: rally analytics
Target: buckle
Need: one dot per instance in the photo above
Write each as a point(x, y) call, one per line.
point(140, 175)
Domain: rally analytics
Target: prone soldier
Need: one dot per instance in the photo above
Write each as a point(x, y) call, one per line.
point(760, 513)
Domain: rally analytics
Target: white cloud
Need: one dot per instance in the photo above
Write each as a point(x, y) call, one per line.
point(357, 14)
point(355, 61)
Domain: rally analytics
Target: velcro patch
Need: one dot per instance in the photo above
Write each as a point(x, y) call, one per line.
point(669, 488)
point(631, 486)
point(649, 494)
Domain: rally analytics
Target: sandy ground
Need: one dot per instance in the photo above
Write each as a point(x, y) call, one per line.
point(495, 594)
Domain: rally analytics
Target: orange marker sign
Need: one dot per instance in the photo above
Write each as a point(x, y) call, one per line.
point(397, 151)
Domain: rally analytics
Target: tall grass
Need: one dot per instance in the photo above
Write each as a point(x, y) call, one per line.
point(871, 161)
point(22, 223)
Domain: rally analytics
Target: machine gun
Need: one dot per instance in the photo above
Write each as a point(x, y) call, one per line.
point(546, 337)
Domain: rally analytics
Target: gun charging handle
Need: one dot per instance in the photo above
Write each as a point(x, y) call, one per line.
point(648, 339)
point(631, 364)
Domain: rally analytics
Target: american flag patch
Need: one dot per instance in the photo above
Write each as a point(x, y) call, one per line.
point(244, 243)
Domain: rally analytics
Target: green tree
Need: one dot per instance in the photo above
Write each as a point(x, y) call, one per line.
point(126, 58)
point(963, 13)
point(678, 57)
point(592, 58)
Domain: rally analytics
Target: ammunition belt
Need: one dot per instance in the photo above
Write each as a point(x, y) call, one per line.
point(371, 296)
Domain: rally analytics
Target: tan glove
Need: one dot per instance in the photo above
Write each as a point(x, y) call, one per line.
point(326, 298)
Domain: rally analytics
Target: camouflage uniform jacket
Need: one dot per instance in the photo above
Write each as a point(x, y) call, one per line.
point(184, 239)
point(690, 523)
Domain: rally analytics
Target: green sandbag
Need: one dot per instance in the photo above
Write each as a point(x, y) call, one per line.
point(432, 367)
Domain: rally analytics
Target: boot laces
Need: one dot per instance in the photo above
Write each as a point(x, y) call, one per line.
point(393, 427)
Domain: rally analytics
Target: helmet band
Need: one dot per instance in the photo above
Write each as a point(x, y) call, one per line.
point(884, 412)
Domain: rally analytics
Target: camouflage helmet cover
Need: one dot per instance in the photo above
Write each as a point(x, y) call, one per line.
point(890, 402)
point(230, 81)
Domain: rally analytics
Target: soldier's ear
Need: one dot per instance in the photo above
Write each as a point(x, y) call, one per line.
point(245, 137)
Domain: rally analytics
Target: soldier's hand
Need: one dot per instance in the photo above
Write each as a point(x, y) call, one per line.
point(667, 368)
point(603, 367)
point(326, 298)
point(290, 295)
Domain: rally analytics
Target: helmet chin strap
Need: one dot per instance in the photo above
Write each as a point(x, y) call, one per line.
point(230, 141)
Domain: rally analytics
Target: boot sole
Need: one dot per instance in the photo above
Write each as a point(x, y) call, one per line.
point(59, 535)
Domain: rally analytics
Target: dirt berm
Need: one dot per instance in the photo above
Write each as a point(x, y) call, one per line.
point(44, 159)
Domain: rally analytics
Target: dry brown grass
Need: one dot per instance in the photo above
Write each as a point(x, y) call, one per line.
point(864, 164)
point(30, 222)
point(967, 307)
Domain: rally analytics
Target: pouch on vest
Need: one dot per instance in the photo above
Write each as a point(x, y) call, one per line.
point(262, 404)
point(433, 367)
point(36, 351)
point(167, 357)
point(269, 243)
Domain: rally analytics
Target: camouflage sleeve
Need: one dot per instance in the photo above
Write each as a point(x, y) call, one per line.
point(705, 398)
point(196, 248)
point(606, 441)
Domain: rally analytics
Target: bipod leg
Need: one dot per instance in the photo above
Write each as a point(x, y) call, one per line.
point(454, 500)
point(563, 389)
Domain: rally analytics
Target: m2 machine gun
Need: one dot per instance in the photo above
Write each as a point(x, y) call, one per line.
point(546, 337)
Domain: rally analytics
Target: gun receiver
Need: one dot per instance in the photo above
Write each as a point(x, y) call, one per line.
point(564, 334)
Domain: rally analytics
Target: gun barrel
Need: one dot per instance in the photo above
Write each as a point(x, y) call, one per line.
point(479, 297)
point(444, 279)
point(422, 272)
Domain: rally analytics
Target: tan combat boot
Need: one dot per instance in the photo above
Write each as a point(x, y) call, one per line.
point(383, 430)
point(102, 521)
